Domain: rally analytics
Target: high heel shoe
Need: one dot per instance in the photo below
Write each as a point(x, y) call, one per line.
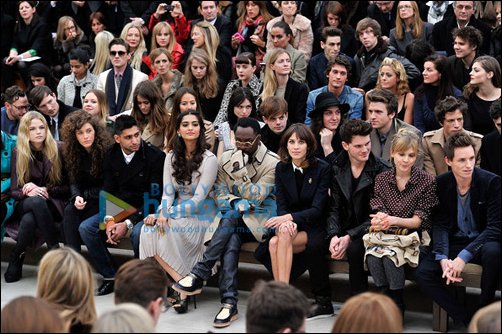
point(182, 305)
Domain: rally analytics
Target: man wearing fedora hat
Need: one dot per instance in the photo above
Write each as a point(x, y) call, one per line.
point(337, 72)
point(382, 110)
point(326, 120)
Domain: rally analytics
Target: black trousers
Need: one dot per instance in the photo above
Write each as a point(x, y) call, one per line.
point(429, 272)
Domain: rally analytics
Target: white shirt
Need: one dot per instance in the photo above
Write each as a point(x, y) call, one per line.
point(128, 157)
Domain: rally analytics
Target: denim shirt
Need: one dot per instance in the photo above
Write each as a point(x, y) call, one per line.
point(353, 98)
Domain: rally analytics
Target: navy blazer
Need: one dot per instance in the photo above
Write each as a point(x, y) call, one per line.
point(485, 207)
point(309, 208)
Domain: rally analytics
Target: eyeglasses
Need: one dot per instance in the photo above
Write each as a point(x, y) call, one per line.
point(120, 53)
point(404, 7)
point(69, 28)
point(245, 143)
point(27, 107)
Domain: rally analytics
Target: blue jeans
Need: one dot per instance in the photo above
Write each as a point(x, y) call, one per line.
point(93, 239)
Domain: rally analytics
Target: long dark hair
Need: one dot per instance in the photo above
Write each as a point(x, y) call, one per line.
point(183, 167)
point(445, 87)
point(72, 148)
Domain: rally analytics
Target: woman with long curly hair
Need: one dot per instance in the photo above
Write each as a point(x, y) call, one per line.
point(86, 141)
point(186, 99)
point(392, 76)
point(189, 174)
point(38, 185)
point(150, 113)
point(65, 281)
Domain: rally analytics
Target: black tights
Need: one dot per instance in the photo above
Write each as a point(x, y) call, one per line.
point(36, 215)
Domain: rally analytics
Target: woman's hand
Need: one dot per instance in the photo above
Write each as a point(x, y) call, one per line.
point(278, 220)
point(289, 227)
point(380, 221)
point(177, 11)
point(163, 224)
point(80, 203)
point(28, 187)
point(150, 220)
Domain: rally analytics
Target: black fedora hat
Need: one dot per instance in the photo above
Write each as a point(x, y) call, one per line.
point(326, 100)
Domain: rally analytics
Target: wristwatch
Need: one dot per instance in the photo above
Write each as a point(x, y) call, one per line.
point(129, 224)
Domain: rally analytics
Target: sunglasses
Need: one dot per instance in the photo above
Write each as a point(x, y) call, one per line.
point(120, 53)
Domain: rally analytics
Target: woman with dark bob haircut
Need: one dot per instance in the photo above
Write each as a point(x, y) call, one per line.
point(296, 242)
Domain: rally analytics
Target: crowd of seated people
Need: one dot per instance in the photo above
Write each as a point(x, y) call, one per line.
point(229, 118)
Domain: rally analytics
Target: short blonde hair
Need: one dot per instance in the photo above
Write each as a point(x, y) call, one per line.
point(125, 318)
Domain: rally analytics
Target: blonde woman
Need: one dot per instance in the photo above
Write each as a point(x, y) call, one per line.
point(163, 37)
point(39, 186)
point(409, 27)
point(101, 60)
point(402, 204)
point(202, 76)
point(95, 103)
point(65, 280)
point(125, 318)
point(205, 37)
point(278, 82)
point(133, 36)
point(68, 37)
point(392, 76)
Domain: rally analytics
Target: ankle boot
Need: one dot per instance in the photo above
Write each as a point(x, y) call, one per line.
point(14, 271)
point(397, 297)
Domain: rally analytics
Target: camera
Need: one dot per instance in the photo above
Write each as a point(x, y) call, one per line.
point(168, 7)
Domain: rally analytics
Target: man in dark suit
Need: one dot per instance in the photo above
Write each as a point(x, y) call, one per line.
point(133, 171)
point(466, 228)
point(354, 171)
point(490, 144)
point(54, 111)
point(384, 12)
point(209, 12)
point(442, 38)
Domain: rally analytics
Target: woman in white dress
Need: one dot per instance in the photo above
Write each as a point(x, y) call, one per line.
point(174, 236)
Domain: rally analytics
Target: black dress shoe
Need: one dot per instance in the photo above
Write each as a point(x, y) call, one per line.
point(189, 285)
point(105, 288)
point(225, 316)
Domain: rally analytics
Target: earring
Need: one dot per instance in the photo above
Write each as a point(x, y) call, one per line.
point(179, 134)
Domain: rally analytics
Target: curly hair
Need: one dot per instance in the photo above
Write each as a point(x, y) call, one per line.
point(183, 167)
point(72, 148)
point(398, 68)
